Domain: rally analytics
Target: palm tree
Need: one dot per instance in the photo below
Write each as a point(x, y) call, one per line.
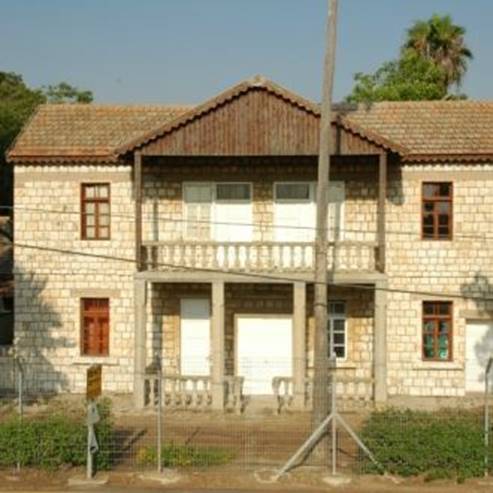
point(440, 40)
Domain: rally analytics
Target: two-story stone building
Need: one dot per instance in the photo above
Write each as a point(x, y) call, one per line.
point(183, 236)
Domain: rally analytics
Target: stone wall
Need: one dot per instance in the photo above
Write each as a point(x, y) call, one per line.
point(463, 266)
point(54, 269)
point(51, 277)
point(164, 318)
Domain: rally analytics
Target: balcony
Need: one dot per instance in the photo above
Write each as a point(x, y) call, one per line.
point(343, 256)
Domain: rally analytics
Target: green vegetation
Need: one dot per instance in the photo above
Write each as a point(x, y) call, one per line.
point(448, 444)
point(53, 441)
point(17, 103)
point(174, 455)
point(433, 58)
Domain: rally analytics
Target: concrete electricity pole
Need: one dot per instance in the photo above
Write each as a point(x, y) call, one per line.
point(321, 378)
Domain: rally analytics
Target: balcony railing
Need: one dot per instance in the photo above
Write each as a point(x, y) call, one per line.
point(257, 256)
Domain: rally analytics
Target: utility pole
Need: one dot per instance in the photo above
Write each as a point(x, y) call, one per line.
point(321, 369)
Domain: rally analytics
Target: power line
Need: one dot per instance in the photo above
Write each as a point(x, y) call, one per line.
point(255, 275)
point(262, 224)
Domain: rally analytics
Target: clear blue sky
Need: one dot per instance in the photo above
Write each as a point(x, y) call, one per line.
point(183, 51)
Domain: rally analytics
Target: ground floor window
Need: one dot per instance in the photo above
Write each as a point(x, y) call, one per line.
point(337, 320)
point(437, 330)
point(95, 326)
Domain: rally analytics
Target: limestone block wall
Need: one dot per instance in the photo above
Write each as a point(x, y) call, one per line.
point(164, 321)
point(163, 193)
point(463, 266)
point(54, 269)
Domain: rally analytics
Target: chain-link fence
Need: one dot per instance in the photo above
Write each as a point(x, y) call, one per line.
point(452, 442)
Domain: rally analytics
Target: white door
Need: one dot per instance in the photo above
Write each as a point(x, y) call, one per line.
point(479, 347)
point(195, 336)
point(295, 211)
point(264, 350)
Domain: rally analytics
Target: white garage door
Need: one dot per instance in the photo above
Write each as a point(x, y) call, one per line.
point(479, 347)
point(195, 336)
point(264, 350)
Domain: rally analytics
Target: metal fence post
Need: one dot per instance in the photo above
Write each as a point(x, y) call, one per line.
point(159, 416)
point(20, 400)
point(487, 416)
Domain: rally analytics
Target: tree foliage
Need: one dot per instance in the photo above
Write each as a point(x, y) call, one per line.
point(410, 78)
point(17, 103)
point(432, 59)
point(442, 42)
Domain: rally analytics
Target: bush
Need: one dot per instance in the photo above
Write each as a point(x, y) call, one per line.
point(447, 444)
point(174, 455)
point(53, 441)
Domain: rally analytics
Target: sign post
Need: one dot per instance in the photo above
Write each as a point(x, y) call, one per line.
point(93, 391)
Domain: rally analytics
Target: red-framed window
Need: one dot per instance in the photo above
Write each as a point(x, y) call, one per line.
point(95, 211)
point(437, 330)
point(437, 210)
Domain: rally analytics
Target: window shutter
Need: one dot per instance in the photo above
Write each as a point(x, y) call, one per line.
point(198, 202)
point(337, 194)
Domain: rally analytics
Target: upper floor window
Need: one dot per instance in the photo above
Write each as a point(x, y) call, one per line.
point(95, 326)
point(95, 211)
point(295, 211)
point(337, 322)
point(437, 211)
point(437, 330)
point(218, 211)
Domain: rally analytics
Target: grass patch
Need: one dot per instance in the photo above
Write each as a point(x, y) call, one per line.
point(174, 455)
point(446, 444)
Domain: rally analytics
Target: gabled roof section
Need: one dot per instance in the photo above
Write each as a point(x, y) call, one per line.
point(255, 84)
point(90, 132)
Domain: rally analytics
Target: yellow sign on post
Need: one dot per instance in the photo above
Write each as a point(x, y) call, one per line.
point(94, 382)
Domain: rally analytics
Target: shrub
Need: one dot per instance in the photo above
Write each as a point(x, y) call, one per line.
point(174, 455)
point(53, 441)
point(448, 444)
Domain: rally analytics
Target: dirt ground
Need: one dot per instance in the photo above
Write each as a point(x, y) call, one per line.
point(231, 479)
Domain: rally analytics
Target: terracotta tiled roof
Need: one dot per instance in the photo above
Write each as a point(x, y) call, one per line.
point(86, 130)
point(432, 130)
point(438, 130)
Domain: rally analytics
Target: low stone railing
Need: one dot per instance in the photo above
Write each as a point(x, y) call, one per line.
point(351, 392)
point(234, 393)
point(257, 256)
point(179, 391)
point(191, 392)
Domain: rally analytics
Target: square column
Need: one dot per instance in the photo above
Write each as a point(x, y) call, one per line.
point(380, 343)
point(140, 299)
point(217, 346)
point(299, 344)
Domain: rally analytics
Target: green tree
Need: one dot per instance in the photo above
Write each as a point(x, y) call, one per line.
point(441, 41)
point(432, 59)
point(410, 78)
point(17, 103)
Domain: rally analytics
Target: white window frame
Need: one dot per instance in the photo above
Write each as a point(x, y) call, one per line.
point(311, 192)
point(338, 316)
point(214, 200)
point(237, 201)
point(184, 185)
point(311, 199)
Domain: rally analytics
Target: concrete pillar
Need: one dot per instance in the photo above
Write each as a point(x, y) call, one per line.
point(299, 344)
point(217, 346)
point(140, 298)
point(380, 343)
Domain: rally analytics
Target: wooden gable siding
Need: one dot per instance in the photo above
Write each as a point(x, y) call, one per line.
point(255, 123)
